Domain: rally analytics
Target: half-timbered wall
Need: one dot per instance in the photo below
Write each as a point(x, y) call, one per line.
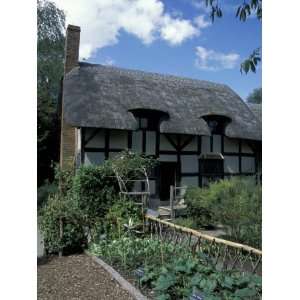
point(100, 144)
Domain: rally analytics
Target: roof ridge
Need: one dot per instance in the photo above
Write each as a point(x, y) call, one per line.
point(155, 74)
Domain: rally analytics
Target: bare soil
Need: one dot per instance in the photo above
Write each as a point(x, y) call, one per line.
point(76, 277)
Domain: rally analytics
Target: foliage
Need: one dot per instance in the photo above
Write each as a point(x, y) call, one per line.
point(57, 209)
point(64, 179)
point(182, 276)
point(255, 96)
point(132, 252)
point(94, 190)
point(174, 273)
point(123, 216)
point(234, 203)
point(130, 164)
point(243, 12)
point(199, 206)
point(50, 55)
point(186, 222)
point(46, 190)
point(251, 62)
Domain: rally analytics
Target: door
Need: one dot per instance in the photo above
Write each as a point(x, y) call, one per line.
point(168, 173)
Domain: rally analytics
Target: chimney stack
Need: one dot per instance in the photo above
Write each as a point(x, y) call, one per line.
point(68, 133)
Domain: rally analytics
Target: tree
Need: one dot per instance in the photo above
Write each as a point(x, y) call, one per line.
point(50, 56)
point(243, 12)
point(255, 96)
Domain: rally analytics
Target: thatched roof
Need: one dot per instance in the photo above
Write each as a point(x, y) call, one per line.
point(256, 109)
point(102, 96)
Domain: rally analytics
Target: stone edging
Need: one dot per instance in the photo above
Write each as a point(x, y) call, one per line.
point(121, 280)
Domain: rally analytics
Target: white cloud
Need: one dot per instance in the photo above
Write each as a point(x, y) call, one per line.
point(109, 61)
point(211, 60)
point(201, 22)
point(101, 22)
point(175, 31)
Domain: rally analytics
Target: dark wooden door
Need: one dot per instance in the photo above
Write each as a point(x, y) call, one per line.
point(168, 173)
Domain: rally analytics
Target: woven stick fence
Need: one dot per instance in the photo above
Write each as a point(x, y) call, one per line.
point(225, 255)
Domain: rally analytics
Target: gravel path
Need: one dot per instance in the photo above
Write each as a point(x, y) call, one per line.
point(76, 277)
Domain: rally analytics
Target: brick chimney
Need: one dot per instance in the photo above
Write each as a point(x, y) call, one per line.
point(68, 133)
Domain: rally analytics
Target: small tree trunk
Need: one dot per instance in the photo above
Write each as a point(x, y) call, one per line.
point(60, 236)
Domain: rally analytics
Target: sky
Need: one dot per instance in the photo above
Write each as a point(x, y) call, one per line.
point(167, 36)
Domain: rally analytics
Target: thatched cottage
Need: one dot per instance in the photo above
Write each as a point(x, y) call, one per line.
point(198, 130)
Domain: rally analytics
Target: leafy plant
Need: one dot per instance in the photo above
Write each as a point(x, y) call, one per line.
point(44, 191)
point(234, 203)
point(62, 210)
point(199, 206)
point(123, 216)
point(186, 222)
point(94, 190)
point(50, 57)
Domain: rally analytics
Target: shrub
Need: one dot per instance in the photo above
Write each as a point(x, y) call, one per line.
point(73, 238)
point(198, 206)
point(186, 222)
point(94, 191)
point(44, 192)
point(121, 213)
point(234, 203)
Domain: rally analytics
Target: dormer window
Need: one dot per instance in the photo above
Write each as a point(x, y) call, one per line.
point(216, 123)
point(143, 123)
point(149, 119)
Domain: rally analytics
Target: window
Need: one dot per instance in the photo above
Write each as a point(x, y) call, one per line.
point(216, 123)
point(149, 119)
point(211, 167)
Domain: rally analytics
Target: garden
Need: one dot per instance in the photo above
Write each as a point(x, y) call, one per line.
point(86, 213)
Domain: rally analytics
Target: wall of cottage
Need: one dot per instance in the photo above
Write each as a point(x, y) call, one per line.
point(239, 158)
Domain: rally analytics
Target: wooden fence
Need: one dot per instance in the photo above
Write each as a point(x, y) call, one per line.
point(224, 254)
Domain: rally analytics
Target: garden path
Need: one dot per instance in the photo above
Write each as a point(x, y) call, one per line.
point(76, 277)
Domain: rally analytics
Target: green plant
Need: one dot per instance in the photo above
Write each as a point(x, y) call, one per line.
point(59, 211)
point(234, 203)
point(130, 165)
point(174, 273)
point(186, 222)
point(183, 275)
point(123, 216)
point(199, 206)
point(44, 191)
point(94, 190)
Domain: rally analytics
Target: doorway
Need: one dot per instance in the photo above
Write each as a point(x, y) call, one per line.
point(168, 177)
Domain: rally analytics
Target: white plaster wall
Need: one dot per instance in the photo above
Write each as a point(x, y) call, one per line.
point(189, 181)
point(189, 163)
point(137, 141)
point(94, 158)
point(78, 140)
point(98, 141)
point(217, 143)
point(246, 148)
point(167, 157)
point(231, 145)
point(118, 139)
point(205, 144)
point(165, 144)
point(150, 142)
point(192, 146)
point(231, 164)
point(248, 164)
